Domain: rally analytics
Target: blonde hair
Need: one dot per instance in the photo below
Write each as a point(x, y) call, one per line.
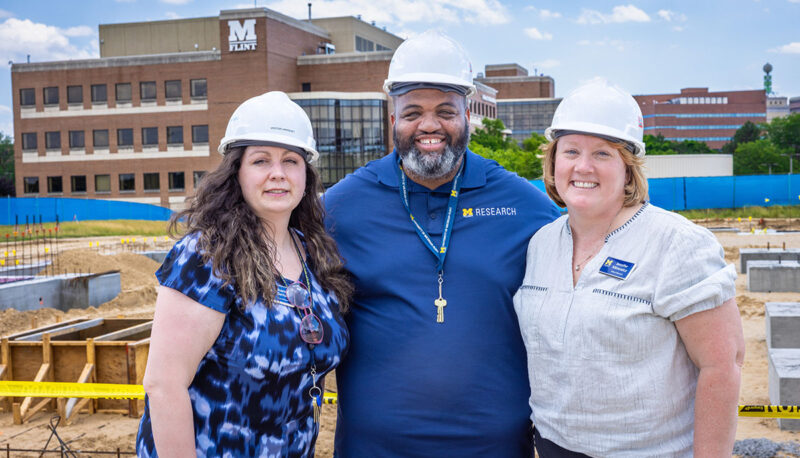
point(635, 186)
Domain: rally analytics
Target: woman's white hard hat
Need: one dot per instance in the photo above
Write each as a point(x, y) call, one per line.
point(270, 119)
point(601, 109)
point(431, 57)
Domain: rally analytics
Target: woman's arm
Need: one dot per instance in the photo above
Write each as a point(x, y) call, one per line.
point(183, 332)
point(715, 343)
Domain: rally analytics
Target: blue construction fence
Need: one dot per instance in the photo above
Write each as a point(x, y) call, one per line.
point(689, 193)
point(65, 209)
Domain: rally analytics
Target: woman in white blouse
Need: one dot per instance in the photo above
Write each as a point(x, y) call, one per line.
point(627, 311)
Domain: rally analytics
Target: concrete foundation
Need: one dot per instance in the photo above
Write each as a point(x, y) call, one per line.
point(783, 324)
point(23, 270)
point(784, 382)
point(62, 292)
point(773, 276)
point(763, 254)
point(157, 256)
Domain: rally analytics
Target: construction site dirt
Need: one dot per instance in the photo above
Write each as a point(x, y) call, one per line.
point(109, 432)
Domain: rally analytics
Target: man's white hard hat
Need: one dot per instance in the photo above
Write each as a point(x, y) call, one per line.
point(271, 119)
point(601, 109)
point(432, 59)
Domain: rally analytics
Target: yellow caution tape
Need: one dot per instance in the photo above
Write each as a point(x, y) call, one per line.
point(770, 411)
point(120, 391)
point(86, 390)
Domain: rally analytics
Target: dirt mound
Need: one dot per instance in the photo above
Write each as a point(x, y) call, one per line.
point(135, 270)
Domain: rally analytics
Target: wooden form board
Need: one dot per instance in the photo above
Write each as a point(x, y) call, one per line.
point(83, 350)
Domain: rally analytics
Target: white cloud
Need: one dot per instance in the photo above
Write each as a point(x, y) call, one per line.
point(794, 1)
point(791, 48)
point(79, 31)
point(678, 28)
point(5, 109)
point(172, 15)
point(547, 14)
point(545, 64)
point(620, 13)
point(670, 16)
point(41, 41)
point(176, 2)
point(535, 34)
point(401, 12)
point(4, 14)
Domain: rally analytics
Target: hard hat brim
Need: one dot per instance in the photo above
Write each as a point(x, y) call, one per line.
point(271, 138)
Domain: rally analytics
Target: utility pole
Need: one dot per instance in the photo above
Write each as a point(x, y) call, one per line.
point(769, 164)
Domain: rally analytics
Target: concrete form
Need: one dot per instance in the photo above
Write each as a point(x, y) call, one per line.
point(773, 276)
point(784, 382)
point(24, 269)
point(783, 324)
point(63, 292)
point(157, 255)
point(766, 254)
point(82, 350)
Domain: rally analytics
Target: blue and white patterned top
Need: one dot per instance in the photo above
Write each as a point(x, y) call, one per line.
point(250, 394)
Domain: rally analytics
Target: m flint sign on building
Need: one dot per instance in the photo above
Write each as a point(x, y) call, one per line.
point(242, 36)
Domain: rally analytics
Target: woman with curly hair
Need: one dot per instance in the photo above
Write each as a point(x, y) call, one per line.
point(248, 315)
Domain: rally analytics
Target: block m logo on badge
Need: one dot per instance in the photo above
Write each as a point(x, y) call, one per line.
point(242, 36)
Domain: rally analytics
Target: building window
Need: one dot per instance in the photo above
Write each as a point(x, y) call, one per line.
point(200, 134)
point(78, 183)
point(364, 45)
point(127, 182)
point(198, 88)
point(172, 89)
point(305, 87)
point(149, 136)
point(55, 185)
point(123, 92)
point(30, 185)
point(99, 94)
point(100, 138)
point(27, 97)
point(74, 94)
point(381, 48)
point(76, 139)
point(52, 140)
point(197, 176)
point(124, 137)
point(29, 141)
point(176, 181)
point(147, 90)
point(102, 183)
point(151, 182)
point(50, 95)
point(175, 135)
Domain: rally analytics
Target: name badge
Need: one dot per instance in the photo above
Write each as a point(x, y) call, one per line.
point(617, 268)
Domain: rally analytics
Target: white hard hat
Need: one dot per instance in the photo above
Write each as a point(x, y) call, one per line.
point(271, 118)
point(431, 58)
point(601, 109)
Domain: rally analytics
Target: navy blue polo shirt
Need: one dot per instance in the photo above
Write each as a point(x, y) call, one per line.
point(410, 386)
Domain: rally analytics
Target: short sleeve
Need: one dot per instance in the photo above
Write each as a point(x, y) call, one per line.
point(184, 271)
point(693, 276)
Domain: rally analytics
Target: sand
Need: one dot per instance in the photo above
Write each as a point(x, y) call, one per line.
point(108, 432)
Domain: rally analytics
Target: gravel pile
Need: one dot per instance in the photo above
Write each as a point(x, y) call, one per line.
point(765, 448)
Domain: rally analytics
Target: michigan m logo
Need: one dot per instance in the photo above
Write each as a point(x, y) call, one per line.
point(466, 212)
point(242, 36)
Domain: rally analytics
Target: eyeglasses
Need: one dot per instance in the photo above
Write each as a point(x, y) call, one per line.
point(310, 325)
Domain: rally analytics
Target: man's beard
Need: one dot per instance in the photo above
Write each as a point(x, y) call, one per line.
point(432, 165)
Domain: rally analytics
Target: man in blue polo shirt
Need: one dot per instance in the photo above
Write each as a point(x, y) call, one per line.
point(435, 238)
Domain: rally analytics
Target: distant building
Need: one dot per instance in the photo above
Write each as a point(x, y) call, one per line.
point(525, 103)
point(794, 105)
point(777, 107)
point(697, 114)
point(688, 165)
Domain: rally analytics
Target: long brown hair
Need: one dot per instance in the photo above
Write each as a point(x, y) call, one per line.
point(237, 243)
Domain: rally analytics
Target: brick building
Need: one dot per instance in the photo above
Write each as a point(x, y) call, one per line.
point(525, 103)
point(142, 122)
point(697, 114)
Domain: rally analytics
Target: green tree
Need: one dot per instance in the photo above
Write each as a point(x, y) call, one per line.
point(534, 143)
point(753, 158)
point(784, 132)
point(657, 145)
point(6, 166)
point(748, 132)
point(491, 135)
point(524, 163)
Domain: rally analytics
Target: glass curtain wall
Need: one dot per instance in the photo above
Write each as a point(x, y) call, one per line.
point(349, 134)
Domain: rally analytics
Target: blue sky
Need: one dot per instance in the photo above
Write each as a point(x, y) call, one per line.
point(645, 46)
